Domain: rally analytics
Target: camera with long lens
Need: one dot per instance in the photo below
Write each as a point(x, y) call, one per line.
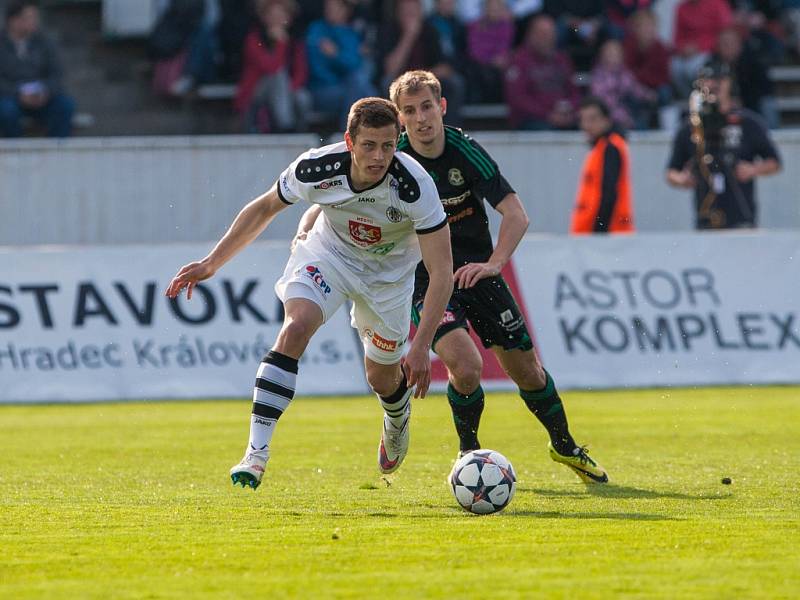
point(706, 117)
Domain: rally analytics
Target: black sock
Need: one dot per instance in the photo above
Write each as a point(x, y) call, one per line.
point(547, 407)
point(467, 411)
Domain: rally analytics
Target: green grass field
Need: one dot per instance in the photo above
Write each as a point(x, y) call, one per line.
point(134, 501)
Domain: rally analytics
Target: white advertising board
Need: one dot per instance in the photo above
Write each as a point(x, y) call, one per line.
point(665, 309)
point(85, 324)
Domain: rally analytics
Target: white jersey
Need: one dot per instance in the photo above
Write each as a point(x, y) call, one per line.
point(370, 233)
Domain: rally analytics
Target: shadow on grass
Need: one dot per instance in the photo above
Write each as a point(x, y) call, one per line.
point(591, 515)
point(621, 491)
point(449, 512)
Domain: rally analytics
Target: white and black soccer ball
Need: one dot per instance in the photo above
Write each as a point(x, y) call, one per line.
point(483, 482)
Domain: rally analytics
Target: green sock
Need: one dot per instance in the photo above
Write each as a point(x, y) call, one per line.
point(546, 405)
point(467, 409)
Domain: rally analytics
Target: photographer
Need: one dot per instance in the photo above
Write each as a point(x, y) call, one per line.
point(720, 152)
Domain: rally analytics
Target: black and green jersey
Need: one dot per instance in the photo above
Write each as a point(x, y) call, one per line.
point(465, 176)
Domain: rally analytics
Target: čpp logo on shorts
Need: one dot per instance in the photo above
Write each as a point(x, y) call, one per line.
point(316, 276)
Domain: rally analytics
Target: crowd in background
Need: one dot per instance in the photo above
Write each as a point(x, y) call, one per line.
point(290, 59)
point(537, 56)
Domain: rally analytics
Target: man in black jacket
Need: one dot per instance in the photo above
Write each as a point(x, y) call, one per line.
point(720, 153)
point(30, 75)
point(410, 42)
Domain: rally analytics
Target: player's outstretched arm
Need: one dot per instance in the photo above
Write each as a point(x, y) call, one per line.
point(249, 223)
point(512, 227)
point(438, 259)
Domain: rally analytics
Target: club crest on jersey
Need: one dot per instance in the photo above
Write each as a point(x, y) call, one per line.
point(364, 234)
point(315, 275)
point(455, 177)
point(394, 215)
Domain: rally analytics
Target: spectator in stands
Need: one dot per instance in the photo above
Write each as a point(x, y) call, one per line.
point(539, 87)
point(750, 74)
point(758, 23)
point(31, 75)
point(720, 153)
point(271, 94)
point(582, 29)
point(489, 43)
point(409, 42)
point(236, 18)
point(698, 24)
point(619, 11)
point(184, 45)
point(603, 203)
point(452, 34)
point(521, 10)
point(629, 102)
point(338, 73)
point(647, 57)
point(790, 17)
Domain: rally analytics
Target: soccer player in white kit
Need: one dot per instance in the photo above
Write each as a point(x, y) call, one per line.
point(380, 214)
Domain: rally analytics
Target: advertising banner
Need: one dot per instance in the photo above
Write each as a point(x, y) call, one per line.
point(85, 324)
point(665, 309)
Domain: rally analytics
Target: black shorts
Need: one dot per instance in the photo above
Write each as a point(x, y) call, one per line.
point(489, 307)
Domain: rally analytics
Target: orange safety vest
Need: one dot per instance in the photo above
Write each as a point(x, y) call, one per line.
point(590, 189)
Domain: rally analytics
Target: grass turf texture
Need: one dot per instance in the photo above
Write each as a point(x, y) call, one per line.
point(134, 501)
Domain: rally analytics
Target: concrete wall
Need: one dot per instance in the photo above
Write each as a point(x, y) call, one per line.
point(146, 190)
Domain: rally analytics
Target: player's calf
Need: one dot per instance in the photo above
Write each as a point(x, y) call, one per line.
point(393, 446)
point(467, 410)
point(274, 390)
point(546, 406)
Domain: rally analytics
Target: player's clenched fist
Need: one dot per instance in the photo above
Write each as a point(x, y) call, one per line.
point(188, 277)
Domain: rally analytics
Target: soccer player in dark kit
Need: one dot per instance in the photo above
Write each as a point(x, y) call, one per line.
point(465, 176)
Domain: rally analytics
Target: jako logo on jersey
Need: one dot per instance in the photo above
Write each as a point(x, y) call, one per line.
point(394, 215)
point(363, 234)
point(328, 184)
point(371, 200)
point(316, 276)
point(384, 344)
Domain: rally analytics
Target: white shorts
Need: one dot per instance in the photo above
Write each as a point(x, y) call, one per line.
point(382, 324)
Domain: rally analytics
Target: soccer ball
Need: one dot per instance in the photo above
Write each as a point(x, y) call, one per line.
point(483, 482)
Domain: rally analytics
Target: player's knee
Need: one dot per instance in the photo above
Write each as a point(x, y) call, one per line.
point(382, 383)
point(466, 375)
point(530, 377)
point(294, 336)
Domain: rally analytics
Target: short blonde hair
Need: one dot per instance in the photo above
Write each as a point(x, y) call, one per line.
point(412, 82)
